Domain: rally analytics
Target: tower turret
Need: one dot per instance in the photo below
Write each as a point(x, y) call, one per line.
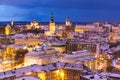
point(52, 24)
point(67, 21)
point(12, 23)
point(111, 35)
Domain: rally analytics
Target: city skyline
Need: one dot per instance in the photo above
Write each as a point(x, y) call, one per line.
point(77, 10)
point(59, 40)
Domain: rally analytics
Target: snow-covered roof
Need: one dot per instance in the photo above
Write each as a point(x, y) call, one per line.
point(35, 54)
point(78, 57)
point(94, 77)
point(8, 26)
point(16, 46)
point(110, 74)
point(38, 68)
point(58, 43)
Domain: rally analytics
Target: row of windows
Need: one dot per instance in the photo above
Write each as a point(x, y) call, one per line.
point(70, 48)
point(9, 78)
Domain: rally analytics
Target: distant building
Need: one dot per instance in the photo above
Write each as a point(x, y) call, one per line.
point(59, 46)
point(68, 26)
point(111, 35)
point(52, 27)
point(40, 56)
point(33, 25)
point(23, 39)
point(76, 45)
point(67, 23)
point(12, 23)
point(54, 71)
point(8, 29)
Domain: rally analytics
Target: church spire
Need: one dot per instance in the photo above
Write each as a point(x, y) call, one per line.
point(12, 23)
point(52, 18)
point(111, 34)
point(52, 24)
point(67, 21)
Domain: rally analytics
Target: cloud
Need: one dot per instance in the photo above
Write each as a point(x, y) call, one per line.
point(78, 10)
point(79, 4)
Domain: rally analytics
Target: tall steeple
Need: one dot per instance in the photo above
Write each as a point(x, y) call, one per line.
point(111, 29)
point(12, 23)
point(52, 18)
point(111, 34)
point(52, 24)
point(67, 21)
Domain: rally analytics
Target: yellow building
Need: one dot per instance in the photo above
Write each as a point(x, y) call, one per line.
point(52, 27)
point(28, 42)
point(66, 73)
point(9, 53)
point(80, 30)
point(63, 74)
point(8, 29)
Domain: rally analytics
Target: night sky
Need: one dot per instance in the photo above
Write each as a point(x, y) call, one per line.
point(77, 10)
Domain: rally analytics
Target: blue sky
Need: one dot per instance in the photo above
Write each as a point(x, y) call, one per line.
point(77, 10)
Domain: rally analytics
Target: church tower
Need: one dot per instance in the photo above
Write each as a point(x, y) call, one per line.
point(67, 23)
point(12, 23)
point(111, 35)
point(8, 29)
point(52, 24)
point(34, 24)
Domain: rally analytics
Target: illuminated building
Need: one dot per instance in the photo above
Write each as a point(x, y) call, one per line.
point(67, 23)
point(13, 55)
point(33, 25)
point(97, 24)
point(12, 23)
point(86, 28)
point(53, 71)
point(78, 57)
point(36, 33)
point(111, 35)
point(1, 52)
point(23, 39)
point(9, 53)
point(28, 41)
point(8, 58)
point(68, 26)
point(8, 30)
point(52, 27)
point(59, 46)
point(79, 29)
point(40, 55)
point(64, 74)
point(103, 62)
point(76, 45)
